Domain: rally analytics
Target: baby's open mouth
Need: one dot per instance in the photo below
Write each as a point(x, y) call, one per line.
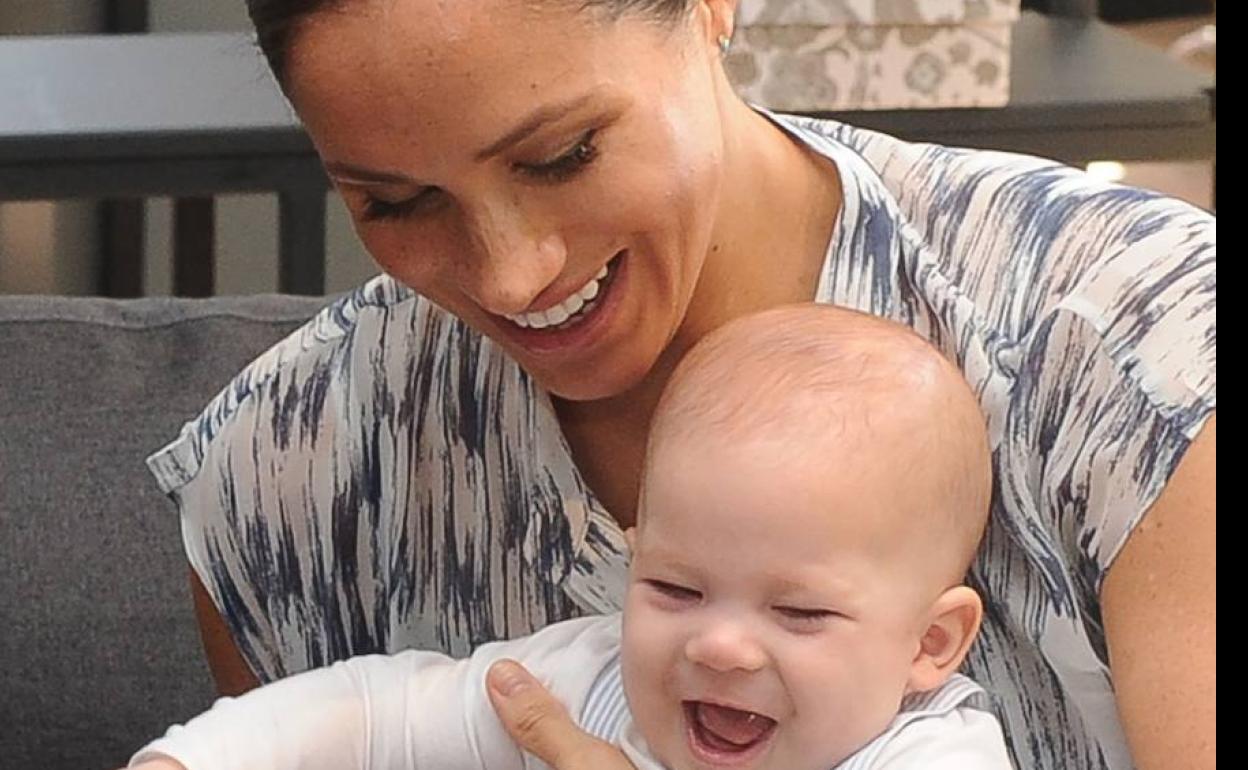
point(723, 733)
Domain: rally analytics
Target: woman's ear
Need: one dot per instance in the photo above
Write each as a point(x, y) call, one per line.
point(719, 18)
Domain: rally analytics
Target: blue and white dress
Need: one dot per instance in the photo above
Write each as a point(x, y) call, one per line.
point(386, 479)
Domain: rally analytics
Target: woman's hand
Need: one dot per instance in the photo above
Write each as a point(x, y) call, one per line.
point(541, 725)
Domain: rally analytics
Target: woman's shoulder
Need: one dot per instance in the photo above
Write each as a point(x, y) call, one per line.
point(365, 344)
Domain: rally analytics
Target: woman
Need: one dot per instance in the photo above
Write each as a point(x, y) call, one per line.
point(564, 197)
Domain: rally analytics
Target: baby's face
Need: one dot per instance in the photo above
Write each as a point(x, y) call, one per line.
point(770, 622)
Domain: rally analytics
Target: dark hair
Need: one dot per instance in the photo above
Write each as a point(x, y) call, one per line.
point(276, 21)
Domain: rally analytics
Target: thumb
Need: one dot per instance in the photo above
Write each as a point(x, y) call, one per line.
point(541, 725)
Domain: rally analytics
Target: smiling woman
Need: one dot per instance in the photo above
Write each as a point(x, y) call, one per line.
point(565, 197)
point(497, 219)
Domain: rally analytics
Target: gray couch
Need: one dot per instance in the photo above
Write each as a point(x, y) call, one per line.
point(98, 646)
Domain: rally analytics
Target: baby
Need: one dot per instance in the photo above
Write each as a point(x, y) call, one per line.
point(815, 486)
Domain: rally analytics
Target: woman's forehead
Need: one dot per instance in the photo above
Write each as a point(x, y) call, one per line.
point(402, 76)
point(409, 56)
point(401, 39)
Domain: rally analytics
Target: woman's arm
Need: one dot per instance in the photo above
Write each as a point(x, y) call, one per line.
point(1160, 612)
point(230, 671)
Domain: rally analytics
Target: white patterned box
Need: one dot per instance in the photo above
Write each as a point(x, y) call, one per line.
point(809, 55)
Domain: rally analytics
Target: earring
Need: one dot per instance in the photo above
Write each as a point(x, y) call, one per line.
point(724, 43)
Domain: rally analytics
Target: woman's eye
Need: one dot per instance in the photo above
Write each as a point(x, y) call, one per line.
point(568, 164)
point(378, 209)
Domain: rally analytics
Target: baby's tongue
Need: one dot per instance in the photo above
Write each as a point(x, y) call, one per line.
point(739, 728)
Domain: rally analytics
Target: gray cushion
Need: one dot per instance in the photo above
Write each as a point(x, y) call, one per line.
point(98, 643)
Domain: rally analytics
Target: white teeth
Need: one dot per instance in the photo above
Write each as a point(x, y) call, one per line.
point(573, 304)
point(553, 316)
point(556, 315)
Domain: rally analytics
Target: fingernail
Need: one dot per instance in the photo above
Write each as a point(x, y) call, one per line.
point(507, 678)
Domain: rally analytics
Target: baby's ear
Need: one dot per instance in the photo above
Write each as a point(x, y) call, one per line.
point(952, 624)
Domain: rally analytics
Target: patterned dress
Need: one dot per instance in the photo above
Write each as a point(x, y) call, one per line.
point(386, 479)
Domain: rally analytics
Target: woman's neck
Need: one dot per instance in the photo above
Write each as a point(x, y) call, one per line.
point(778, 206)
